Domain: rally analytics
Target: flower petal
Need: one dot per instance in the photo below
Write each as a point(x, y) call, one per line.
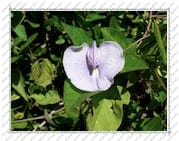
point(103, 83)
point(112, 59)
point(75, 65)
point(93, 56)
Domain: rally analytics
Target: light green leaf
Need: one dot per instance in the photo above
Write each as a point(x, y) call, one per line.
point(125, 95)
point(104, 118)
point(60, 41)
point(20, 31)
point(19, 125)
point(19, 115)
point(107, 111)
point(160, 97)
point(51, 97)
point(77, 35)
point(18, 83)
point(43, 72)
point(14, 96)
point(94, 16)
point(151, 124)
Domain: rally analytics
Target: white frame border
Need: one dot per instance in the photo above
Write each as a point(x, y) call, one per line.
point(5, 54)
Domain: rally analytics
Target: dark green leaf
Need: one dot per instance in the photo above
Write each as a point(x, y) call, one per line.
point(160, 42)
point(114, 22)
point(34, 25)
point(133, 63)
point(17, 41)
point(73, 97)
point(113, 34)
point(29, 41)
point(53, 21)
point(15, 58)
point(151, 124)
point(18, 83)
point(17, 17)
point(77, 35)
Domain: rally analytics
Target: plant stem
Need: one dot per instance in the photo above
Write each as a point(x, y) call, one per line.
point(148, 27)
point(37, 118)
point(160, 80)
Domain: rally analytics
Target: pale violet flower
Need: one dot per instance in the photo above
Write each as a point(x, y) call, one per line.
point(92, 68)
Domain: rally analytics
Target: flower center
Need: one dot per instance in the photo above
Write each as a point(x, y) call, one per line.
point(93, 60)
point(95, 73)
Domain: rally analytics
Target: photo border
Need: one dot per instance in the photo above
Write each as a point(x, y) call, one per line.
point(88, 6)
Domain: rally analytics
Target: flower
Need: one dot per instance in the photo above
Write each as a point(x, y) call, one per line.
point(92, 68)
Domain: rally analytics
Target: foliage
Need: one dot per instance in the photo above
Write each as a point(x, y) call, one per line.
point(42, 98)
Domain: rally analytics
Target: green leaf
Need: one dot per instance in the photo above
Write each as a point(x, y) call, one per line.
point(113, 34)
point(17, 41)
point(20, 31)
point(161, 97)
point(133, 63)
point(153, 104)
point(15, 58)
point(107, 109)
point(43, 72)
point(104, 118)
point(125, 95)
point(160, 42)
point(18, 83)
point(77, 35)
point(51, 97)
point(19, 125)
point(60, 41)
point(94, 16)
point(17, 17)
point(53, 21)
point(19, 115)
point(14, 96)
point(73, 97)
point(34, 25)
point(151, 124)
point(114, 22)
point(29, 41)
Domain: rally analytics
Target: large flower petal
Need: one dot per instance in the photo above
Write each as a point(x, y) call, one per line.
point(112, 59)
point(75, 65)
